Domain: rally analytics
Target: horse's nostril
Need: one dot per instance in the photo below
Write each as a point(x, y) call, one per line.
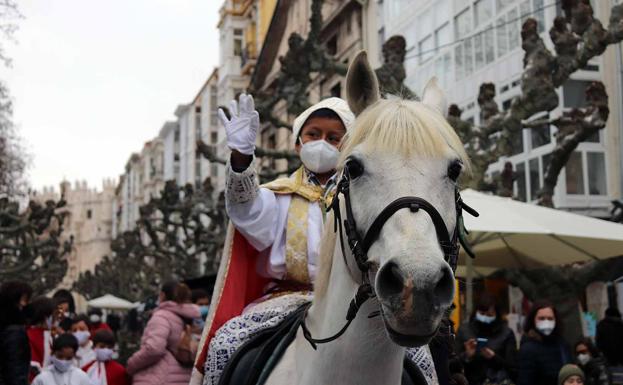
point(444, 289)
point(390, 280)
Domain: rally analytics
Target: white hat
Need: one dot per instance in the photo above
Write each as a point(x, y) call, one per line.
point(337, 105)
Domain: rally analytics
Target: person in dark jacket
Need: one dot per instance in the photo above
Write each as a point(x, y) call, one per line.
point(591, 362)
point(14, 347)
point(543, 351)
point(609, 337)
point(493, 360)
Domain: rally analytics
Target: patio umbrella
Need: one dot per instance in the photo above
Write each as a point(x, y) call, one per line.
point(514, 234)
point(111, 302)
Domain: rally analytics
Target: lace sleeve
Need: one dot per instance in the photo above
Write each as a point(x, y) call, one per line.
point(242, 186)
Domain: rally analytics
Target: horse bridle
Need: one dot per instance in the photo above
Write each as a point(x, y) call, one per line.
point(359, 246)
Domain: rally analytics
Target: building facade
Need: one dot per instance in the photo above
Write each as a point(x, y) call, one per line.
point(469, 42)
point(89, 222)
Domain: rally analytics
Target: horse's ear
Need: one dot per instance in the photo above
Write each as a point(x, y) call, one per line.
point(362, 86)
point(434, 97)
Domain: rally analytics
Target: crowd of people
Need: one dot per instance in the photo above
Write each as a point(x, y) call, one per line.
point(489, 354)
point(44, 342)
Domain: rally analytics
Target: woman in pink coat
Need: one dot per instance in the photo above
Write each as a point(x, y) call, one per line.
point(154, 363)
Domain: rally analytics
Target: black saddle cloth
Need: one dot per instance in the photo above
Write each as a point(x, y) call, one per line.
point(253, 362)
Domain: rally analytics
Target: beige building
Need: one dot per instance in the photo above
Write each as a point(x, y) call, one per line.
point(89, 223)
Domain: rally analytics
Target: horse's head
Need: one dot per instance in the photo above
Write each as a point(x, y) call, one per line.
point(396, 149)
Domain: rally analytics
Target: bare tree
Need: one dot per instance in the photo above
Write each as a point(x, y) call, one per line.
point(577, 37)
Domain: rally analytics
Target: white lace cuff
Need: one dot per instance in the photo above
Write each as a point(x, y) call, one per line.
point(242, 186)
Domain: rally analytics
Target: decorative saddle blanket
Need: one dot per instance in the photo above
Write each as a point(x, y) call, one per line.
point(247, 348)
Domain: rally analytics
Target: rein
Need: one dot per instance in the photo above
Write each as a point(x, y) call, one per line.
point(359, 246)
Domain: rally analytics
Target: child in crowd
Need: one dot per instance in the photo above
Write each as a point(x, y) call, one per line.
point(62, 371)
point(42, 312)
point(80, 330)
point(104, 370)
point(571, 375)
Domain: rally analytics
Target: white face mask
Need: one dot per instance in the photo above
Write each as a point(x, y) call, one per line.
point(584, 358)
point(319, 156)
point(546, 327)
point(60, 365)
point(485, 319)
point(103, 354)
point(94, 318)
point(82, 336)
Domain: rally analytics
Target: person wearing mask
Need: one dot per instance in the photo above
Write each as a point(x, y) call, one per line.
point(80, 330)
point(14, 347)
point(66, 307)
point(96, 322)
point(571, 375)
point(487, 346)
point(103, 370)
point(543, 351)
point(61, 370)
point(591, 362)
point(201, 298)
point(609, 337)
point(276, 227)
point(156, 362)
point(43, 315)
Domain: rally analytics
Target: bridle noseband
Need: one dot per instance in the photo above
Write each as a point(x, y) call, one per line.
point(359, 246)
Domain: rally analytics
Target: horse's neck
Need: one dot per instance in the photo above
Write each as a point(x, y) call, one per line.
point(363, 354)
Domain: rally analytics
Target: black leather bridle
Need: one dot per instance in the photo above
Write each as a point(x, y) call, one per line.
point(359, 246)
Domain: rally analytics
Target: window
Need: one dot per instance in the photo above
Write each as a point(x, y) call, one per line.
point(545, 161)
point(512, 28)
point(520, 170)
point(539, 14)
point(502, 37)
point(463, 24)
point(540, 135)
point(469, 63)
point(198, 170)
point(458, 57)
point(381, 42)
point(483, 11)
point(90, 213)
point(524, 11)
point(213, 106)
point(336, 90)
point(535, 181)
point(516, 139)
point(443, 36)
point(176, 134)
point(238, 42)
point(489, 44)
point(426, 48)
point(501, 4)
point(574, 174)
point(332, 45)
point(574, 93)
point(596, 167)
point(479, 54)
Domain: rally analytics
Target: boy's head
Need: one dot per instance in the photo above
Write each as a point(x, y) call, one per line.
point(41, 311)
point(103, 339)
point(200, 297)
point(326, 121)
point(64, 347)
point(80, 329)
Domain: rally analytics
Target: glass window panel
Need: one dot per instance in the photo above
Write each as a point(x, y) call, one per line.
point(516, 140)
point(425, 23)
point(463, 24)
point(469, 57)
point(443, 36)
point(574, 174)
point(501, 36)
point(512, 28)
point(593, 138)
point(574, 93)
point(596, 164)
point(489, 40)
point(426, 48)
point(483, 11)
point(520, 169)
point(540, 135)
point(501, 4)
point(535, 181)
point(442, 12)
point(479, 53)
point(539, 13)
point(524, 11)
point(458, 56)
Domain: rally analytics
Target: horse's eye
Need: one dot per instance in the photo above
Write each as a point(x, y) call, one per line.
point(454, 170)
point(355, 168)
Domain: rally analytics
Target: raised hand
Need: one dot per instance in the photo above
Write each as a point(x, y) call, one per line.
point(241, 128)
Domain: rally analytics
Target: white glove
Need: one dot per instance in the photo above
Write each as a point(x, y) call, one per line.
point(242, 128)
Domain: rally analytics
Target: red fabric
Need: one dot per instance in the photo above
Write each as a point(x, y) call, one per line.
point(100, 326)
point(35, 338)
point(115, 373)
point(243, 285)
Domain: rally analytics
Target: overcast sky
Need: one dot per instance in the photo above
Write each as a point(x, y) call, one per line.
point(93, 80)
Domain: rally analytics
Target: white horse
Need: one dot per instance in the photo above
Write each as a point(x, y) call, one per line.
point(397, 149)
